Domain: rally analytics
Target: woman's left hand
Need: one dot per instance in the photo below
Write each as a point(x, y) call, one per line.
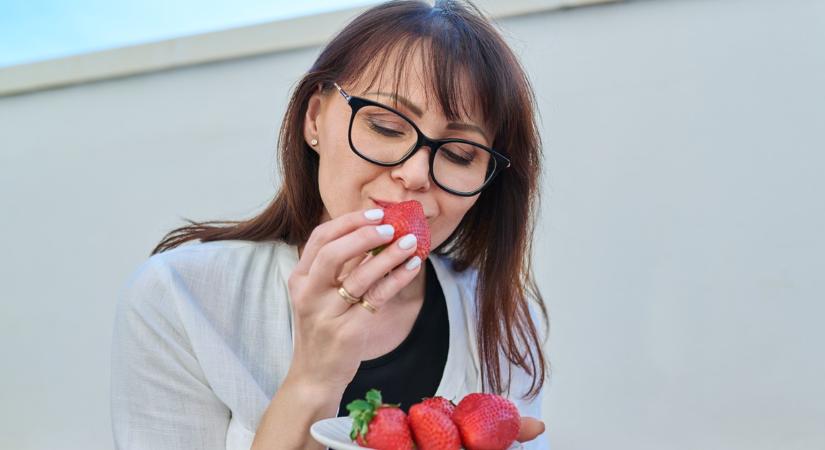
point(530, 429)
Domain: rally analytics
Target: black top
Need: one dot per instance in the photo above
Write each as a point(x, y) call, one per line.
point(412, 370)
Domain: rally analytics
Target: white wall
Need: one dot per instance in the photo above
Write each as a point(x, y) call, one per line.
point(680, 246)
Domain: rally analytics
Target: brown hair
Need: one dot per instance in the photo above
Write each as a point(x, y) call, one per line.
point(495, 234)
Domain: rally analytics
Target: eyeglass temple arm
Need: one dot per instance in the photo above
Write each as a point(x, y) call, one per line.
point(346, 96)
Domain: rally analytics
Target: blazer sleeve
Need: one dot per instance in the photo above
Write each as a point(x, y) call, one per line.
point(519, 385)
point(160, 398)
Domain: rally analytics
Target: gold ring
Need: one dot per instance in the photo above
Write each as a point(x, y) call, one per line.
point(368, 306)
point(347, 296)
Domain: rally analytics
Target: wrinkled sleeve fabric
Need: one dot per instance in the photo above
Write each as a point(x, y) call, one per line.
point(520, 383)
point(160, 398)
point(520, 380)
point(533, 408)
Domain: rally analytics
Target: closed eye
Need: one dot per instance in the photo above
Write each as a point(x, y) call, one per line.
point(456, 158)
point(384, 131)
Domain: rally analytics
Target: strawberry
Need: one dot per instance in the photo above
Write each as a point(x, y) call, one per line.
point(407, 217)
point(441, 404)
point(378, 425)
point(432, 429)
point(487, 421)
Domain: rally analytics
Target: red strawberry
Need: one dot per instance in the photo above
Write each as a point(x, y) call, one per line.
point(377, 425)
point(432, 429)
point(487, 421)
point(441, 404)
point(407, 217)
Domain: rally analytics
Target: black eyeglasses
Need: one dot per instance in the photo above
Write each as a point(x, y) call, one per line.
point(384, 136)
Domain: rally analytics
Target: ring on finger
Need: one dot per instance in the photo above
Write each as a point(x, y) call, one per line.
point(368, 306)
point(347, 296)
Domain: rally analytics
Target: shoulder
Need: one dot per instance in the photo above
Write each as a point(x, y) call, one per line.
point(198, 256)
point(228, 260)
point(202, 270)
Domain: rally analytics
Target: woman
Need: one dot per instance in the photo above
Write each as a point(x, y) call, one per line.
point(243, 338)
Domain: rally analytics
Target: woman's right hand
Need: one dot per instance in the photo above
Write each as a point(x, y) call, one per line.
point(332, 335)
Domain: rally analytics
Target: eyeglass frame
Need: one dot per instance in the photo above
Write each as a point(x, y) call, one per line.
point(356, 103)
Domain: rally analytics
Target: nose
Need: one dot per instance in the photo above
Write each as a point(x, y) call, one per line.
point(415, 172)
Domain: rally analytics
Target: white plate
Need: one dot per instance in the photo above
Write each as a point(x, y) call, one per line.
point(334, 433)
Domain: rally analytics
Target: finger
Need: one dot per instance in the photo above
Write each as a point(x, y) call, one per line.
point(402, 267)
point(349, 266)
point(530, 429)
point(331, 230)
point(364, 276)
point(333, 256)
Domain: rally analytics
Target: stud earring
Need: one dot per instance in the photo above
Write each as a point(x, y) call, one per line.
point(313, 142)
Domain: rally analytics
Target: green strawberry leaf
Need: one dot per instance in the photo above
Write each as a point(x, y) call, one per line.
point(358, 405)
point(374, 396)
point(362, 413)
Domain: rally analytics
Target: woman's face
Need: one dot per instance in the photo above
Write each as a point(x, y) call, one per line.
point(347, 182)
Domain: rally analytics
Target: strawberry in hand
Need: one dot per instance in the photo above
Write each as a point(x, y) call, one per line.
point(407, 217)
point(377, 425)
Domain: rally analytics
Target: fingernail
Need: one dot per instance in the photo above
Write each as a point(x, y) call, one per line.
point(374, 214)
point(407, 242)
point(413, 263)
point(385, 230)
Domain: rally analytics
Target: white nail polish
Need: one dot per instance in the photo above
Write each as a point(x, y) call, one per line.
point(407, 242)
point(385, 230)
point(374, 214)
point(413, 263)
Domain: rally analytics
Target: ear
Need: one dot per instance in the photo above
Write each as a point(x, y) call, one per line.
point(312, 119)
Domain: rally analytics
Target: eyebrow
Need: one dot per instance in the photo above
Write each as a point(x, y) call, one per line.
point(455, 126)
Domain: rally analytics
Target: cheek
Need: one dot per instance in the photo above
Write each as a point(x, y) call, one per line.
point(339, 186)
point(342, 176)
point(339, 166)
point(452, 211)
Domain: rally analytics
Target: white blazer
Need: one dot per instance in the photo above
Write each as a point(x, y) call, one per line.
point(203, 338)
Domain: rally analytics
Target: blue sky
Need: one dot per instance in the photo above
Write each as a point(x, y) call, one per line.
point(34, 30)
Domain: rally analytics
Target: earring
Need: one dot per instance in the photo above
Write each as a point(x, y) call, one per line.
point(313, 142)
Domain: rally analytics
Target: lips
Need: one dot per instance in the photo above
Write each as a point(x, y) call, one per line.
point(384, 203)
point(387, 203)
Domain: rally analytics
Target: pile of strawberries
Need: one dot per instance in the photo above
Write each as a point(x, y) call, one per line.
point(479, 422)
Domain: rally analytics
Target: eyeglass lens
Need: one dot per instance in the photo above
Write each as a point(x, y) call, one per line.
point(384, 136)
